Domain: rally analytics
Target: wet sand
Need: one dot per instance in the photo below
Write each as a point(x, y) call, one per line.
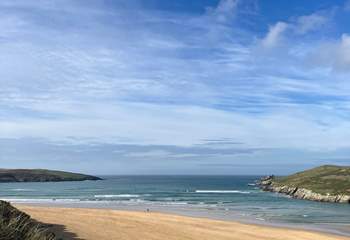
point(105, 224)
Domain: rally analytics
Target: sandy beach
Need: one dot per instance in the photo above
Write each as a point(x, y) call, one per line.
point(104, 224)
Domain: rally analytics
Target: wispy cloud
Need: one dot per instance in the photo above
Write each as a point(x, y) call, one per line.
point(308, 23)
point(216, 77)
point(299, 25)
point(225, 10)
point(333, 55)
point(274, 34)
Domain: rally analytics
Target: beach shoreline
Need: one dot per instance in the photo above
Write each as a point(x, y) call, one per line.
point(227, 198)
point(197, 212)
point(53, 214)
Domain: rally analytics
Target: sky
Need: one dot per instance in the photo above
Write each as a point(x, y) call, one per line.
point(174, 87)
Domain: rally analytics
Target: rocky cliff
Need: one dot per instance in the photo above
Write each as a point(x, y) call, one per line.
point(308, 184)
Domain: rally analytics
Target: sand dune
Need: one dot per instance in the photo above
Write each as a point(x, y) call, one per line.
point(103, 224)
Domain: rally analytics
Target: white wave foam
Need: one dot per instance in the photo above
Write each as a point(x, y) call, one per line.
point(117, 196)
point(175, 203)
point(54, 200)
point(22, 189)
point(38, 200)
point(221, 191)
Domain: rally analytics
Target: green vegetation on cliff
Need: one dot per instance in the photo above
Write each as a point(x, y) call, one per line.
point(41, 175)
point(16, 225)
point(328, 179)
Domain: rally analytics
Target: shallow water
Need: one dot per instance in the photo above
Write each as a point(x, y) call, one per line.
point(223, 197)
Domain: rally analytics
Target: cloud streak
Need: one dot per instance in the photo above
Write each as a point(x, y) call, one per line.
point(274, 34)
point(126, 73)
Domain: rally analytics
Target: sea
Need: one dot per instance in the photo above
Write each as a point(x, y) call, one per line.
point(218, 197)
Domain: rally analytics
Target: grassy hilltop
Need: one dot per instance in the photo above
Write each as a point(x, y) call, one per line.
point(328, 179)
point(41, 175)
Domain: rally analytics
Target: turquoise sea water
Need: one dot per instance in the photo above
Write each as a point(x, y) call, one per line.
point(225, 195)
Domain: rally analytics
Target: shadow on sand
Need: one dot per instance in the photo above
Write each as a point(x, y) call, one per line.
point(62, 233)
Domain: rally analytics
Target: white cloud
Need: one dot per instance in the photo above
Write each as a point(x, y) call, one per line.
point(152, 124)
point(149, 154)
point(306, 24)
point(170, 82)
point(225, 10)
point(333, 55)
point(274, 34)
point(301, 26)
point(342, 60)
point(225, 6)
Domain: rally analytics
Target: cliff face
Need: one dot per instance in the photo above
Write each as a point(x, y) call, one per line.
point(269, 183)
point(41, 175)
point(16, 225)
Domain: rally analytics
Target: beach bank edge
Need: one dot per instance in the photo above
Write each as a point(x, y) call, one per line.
point(15, 225)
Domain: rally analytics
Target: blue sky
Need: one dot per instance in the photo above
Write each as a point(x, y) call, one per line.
point(174, 87)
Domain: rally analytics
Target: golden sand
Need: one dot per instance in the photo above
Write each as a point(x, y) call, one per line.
point(104, 224)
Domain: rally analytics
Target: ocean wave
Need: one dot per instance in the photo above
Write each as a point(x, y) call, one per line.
point(117, 196)
point(101, 202)
point(175, 203)
point(222, 191)
point(38, 200)
point(22, 190)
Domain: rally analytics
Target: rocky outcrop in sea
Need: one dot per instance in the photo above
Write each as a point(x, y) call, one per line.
point(268, 184)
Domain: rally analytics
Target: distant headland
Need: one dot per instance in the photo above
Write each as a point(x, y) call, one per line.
point(324, 184)
point(41, 175)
